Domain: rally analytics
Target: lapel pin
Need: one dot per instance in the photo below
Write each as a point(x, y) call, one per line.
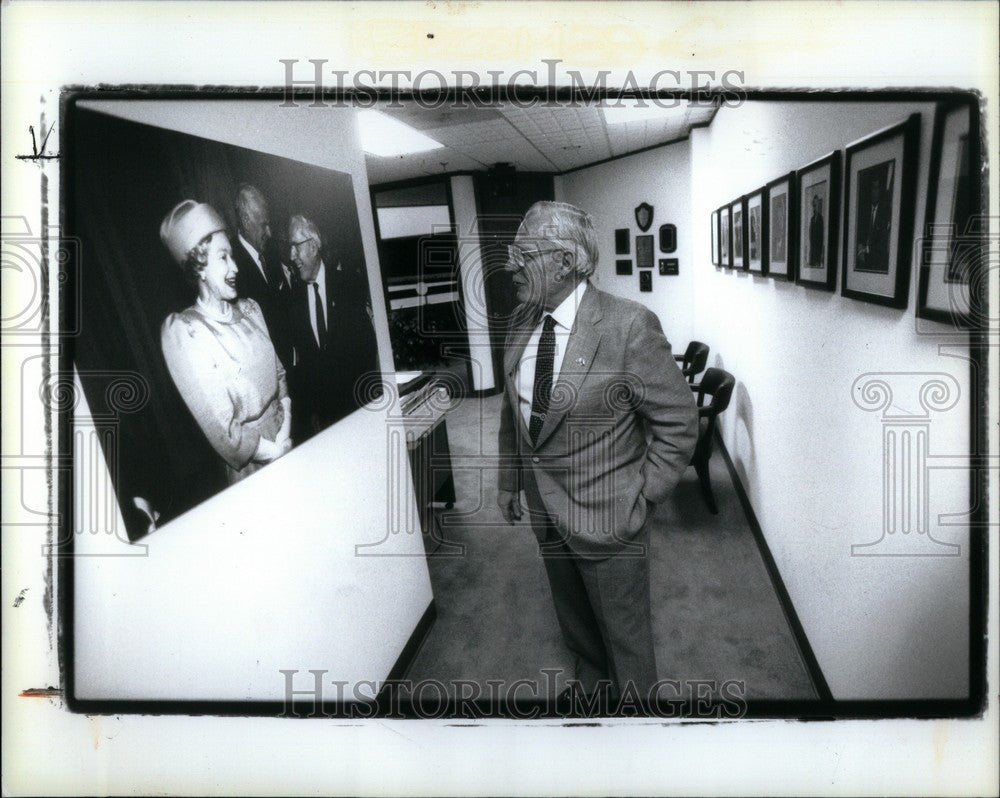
point(581, 362)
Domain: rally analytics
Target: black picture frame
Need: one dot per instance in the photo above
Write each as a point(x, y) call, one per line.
point(880, 174)
point(738, 211)
point(668, 238)
point(755, 211)
point(951, 289)
point(644, 252)
point(646, 279)
point(817, 235)
point(623, 241)
point(716, 257)
point(669, 267)
point(623, 267)
point(725, 237)
point(780, 227)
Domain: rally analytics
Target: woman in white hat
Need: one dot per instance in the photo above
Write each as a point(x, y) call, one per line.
point(218, 350)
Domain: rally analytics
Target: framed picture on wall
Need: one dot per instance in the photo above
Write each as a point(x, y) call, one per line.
point(644, 252)
point(623, 241)
point(779, 228)
point(819, 206)
point(755, 227)
point(739, 233)
point(716, 257)
point(645, 279)
point(880, 175)
point(726, 236)
point(951, 288)
point(623, 266)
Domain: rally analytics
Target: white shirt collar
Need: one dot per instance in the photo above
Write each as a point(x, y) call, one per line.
point(565, 313)
point(320, 278)
point(249, 248)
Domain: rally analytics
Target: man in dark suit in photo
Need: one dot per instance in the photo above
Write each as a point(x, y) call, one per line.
point(817, 244)
point(597, 426)
point(874, 221)
point(332, 335)
point(260, 276)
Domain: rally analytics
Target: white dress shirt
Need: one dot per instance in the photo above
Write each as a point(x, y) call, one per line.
point(254, 255)
point(564, 316)
point(320, 281)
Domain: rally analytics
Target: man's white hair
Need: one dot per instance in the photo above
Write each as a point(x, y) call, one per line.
point(568, 225)
point(305, 224)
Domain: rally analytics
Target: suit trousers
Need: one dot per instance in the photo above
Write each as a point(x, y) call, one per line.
point(602, 605)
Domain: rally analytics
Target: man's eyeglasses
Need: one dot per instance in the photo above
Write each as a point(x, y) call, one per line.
point(296, 244)
point(516, 256)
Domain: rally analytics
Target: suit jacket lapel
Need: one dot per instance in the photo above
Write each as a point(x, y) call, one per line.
point(577, 361)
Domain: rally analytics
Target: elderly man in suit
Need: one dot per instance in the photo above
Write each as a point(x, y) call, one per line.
point(260, 277)
point(597, 426)
point(332, 335)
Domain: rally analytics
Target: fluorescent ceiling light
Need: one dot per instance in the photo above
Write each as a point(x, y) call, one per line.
point(617, 112)
point(385, 136)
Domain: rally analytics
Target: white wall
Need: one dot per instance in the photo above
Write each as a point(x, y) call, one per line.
point(809, 457)
point(266, 575)
point(611, 192)
point(415, 220)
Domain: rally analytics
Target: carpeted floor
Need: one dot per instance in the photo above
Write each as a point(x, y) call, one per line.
point(716, 615)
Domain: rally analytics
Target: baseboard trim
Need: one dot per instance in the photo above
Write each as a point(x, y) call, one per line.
point(791, 616)
point(409, 653)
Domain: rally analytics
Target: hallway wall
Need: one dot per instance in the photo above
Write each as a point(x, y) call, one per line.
point(809, 456)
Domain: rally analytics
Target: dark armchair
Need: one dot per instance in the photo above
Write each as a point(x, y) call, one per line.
point(717, 385)
point(694, 360)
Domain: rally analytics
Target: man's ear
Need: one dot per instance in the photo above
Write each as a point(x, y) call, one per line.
point(567, 263)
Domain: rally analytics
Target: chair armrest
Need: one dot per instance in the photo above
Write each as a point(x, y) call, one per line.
point(695, 386)
point(707, 412)
point(678, 357)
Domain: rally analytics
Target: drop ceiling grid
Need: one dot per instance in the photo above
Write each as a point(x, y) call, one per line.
point(535, 139)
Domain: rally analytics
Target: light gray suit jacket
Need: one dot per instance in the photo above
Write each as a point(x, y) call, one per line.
point(621, 428)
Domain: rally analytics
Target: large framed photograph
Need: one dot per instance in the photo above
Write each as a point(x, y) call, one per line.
point(756, 217)
point(738, 210)
point(234, 354)
point(880, 174)
point(949, 289)
point(726, 237)
point(779, 227)
point(819, 207)
point(716, 257)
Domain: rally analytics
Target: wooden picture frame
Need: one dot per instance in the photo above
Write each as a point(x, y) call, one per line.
point(644, 252)
point(726, 237)
point(755, 220)
point(880, 174)
point(739, 227)
point(780, 224)
point(951, 288)
point(623, 241)
point(818, 217)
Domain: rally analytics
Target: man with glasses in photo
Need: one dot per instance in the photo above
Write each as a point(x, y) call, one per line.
point(332, 334)
point(597, 426)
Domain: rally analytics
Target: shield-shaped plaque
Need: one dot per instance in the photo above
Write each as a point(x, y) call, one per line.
point(644, 216)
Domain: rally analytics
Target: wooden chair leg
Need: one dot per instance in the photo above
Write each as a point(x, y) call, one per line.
point(701, 466)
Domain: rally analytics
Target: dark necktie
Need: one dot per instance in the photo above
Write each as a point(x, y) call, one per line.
point(271, 278)
point(320, 318)
point(544, 363)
